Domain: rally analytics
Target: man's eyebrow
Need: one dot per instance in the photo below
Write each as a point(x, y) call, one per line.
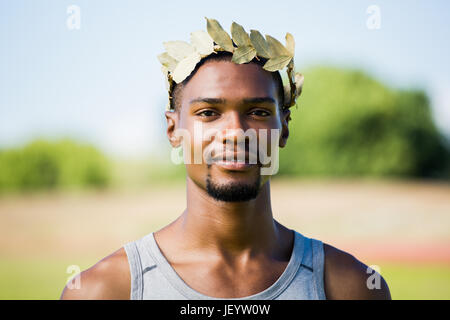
point(256, 100)
point(259, 100)
point(208, 100)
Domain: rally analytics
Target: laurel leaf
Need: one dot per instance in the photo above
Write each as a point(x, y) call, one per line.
point(260, 44)
point(299, 80)
point(290, 72)
point(276, 48)
point(291, 76)
point(287, 95)
point(219, 35)
point(185, 67)
point(178, 49)
point(202, 42)
point(167, 61)
point(240, 37)
point(243, 54)
point(165, 70)
point(290, 43)
point(277, 63)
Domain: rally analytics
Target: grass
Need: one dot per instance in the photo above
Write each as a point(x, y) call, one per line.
point(35, 279)
point(43, 279)
point(417, 281)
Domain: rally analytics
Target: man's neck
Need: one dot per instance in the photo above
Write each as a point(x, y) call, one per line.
point(229, 227)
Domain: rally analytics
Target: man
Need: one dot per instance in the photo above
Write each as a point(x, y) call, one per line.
point(226, 244)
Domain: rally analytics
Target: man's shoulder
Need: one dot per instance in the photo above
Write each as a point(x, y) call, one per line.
point(346, 277)
point(107, 279)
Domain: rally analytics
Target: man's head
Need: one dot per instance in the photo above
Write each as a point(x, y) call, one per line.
point(229, 98)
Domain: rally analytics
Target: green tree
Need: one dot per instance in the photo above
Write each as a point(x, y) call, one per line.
point(49, 165)
point(349, 124)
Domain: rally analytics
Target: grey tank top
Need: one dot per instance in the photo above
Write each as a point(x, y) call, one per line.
point(153, 278)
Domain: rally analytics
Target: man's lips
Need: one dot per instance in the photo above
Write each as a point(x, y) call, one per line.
point(238, 162)
point(234, 165)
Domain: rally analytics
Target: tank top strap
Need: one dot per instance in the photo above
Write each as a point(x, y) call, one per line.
point(134, 261)
point(140, 261)
point(313, 262)
point(318, 261)
point(307, 261)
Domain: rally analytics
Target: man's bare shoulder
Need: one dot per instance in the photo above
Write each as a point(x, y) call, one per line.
point(107, 279)
point(347, 278)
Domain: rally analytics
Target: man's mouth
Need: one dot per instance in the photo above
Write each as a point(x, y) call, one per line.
point(234, 161)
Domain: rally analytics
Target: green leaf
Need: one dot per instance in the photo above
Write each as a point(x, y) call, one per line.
point(260, 44)
point(290, 43)
point(185, 67)
point(202, 42)
point(178, 49)
point(167, 61)
point(219, 35)
point(240, 37)
point(243, 54)
point(277, 63)
point(276, 48)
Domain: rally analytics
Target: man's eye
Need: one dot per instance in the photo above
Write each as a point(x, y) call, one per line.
point(260, 113)
point(207, 113)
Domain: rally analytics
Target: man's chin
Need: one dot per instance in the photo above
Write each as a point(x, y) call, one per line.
point(233, 191)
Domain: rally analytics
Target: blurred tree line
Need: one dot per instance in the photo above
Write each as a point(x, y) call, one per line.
point(348, 124)
point(50, 165)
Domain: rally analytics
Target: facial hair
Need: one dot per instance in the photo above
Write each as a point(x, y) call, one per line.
point(232, 192)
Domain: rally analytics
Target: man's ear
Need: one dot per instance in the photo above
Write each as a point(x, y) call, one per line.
point(172, 125)
point(285, 118)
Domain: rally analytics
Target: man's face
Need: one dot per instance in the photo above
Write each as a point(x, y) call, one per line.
point(229, 99)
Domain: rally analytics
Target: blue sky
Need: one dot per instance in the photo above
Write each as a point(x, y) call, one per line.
point(103, 84)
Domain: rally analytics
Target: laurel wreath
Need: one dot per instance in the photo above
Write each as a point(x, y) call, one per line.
point(181, 57)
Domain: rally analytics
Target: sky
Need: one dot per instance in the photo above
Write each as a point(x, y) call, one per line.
point(102, 83)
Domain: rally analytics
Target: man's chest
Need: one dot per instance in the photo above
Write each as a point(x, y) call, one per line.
point(222, 281)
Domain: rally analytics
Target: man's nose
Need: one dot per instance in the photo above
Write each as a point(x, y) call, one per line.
point(234, 128)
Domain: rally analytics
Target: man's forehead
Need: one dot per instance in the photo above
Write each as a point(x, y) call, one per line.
point(229, 81)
